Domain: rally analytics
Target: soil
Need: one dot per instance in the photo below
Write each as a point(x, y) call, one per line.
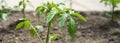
point(97, 29)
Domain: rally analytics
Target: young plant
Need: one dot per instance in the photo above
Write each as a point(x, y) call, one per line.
point(23, 4)
point(64, 14)
point(26, 23)
point(4, 11)
point(113, 4)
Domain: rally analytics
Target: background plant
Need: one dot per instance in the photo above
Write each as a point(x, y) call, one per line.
point(64, 14)
point(26, 23)
point(23, 4)
point(113, 4)
point(5, 10)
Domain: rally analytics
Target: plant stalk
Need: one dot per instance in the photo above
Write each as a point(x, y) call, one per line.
point(23, 9)
point(39, 37)
point(41, 41)
point(113, 13)
point(38, 20)
point(48, 32)
point(70, 3)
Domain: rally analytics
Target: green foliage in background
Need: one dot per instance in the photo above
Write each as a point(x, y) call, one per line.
point(26, 24)
point(23, 4)
point(113, 4)
point(5, 10)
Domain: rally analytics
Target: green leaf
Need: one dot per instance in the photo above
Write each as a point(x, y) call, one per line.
point(15, 8)
point(80, 16)
point(67, 9)
point(19, 25)
point(28, 1)
point(27, 24)
point(4, 16)
point(33, 32)
point(20, 3)
point(39, 9)
point(114, 3)
point(72, 27)
point(62, 19)
point(53, 37)
point(51, 15)
point(61, 6)
point(71, 12)
point(48, 5)
point(57, 7)
point(39, 27)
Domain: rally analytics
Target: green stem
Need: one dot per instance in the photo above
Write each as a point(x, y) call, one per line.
point(41, 41)
point(39, 37)
point(24, 14)
point(23, 9)
point(48, 32)
point(113, 8)
point(38, 20)
point(113, 13)
point(70, 3)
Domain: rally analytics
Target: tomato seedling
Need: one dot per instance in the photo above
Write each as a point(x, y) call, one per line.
point(26, 23)
point(113, 4)
point(5, 11)
point(64, 14)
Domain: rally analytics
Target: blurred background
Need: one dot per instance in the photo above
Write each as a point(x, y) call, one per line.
point(79, 5)
point(99, 27)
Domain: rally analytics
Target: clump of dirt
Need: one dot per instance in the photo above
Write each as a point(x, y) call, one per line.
point(97, 29)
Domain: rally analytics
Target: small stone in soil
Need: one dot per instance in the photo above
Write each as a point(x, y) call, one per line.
point(111, 39)
point(0, 40)
point(116, 33)
point(83, 35)
point(55, 28)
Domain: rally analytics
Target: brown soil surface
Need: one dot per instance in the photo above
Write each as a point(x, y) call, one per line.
point(97, 29)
